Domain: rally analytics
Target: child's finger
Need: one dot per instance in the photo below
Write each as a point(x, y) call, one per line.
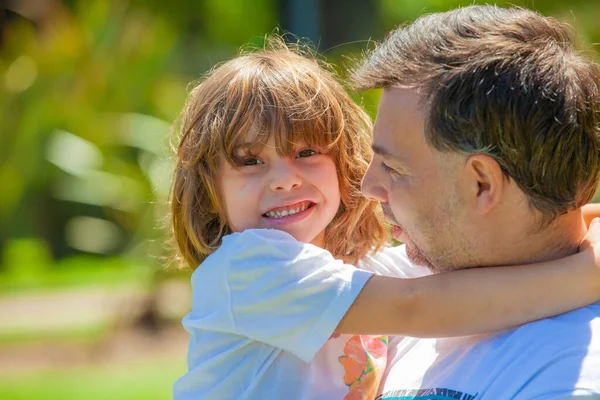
point(592, 238)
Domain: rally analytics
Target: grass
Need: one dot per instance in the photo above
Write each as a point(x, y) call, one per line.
point(75, 272)
point(150, 380)
point(81, 334)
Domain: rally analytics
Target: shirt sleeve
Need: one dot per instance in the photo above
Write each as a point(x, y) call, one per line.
point(265, 285)
point(392, 261)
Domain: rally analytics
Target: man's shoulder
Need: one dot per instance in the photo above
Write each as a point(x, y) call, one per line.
point(392, 261)
point(550, 358)
point(574, 335)
point(562, 352)
point(585, 318)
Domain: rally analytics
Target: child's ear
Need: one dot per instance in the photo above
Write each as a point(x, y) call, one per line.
point(487, 181)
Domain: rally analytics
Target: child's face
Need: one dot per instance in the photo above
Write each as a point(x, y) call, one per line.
point(297, 194)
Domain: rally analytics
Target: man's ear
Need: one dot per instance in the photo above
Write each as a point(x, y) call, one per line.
point(487, 181)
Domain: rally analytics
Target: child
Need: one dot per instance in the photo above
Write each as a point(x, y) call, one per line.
point(270, 140)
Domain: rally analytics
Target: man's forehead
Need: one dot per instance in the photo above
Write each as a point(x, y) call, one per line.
point(399, 109)
point(399, 126)
point(401, 99)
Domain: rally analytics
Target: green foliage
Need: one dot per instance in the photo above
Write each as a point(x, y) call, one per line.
point(86, 115)
point(88, 96)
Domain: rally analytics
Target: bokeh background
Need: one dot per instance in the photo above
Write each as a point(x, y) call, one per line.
point(89, 91)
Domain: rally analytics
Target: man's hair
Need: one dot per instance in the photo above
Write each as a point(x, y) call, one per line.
point(507, 82)
point(284, 92)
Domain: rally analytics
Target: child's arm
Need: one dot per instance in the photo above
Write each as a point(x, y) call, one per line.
point(478, 300)
point(590, 211)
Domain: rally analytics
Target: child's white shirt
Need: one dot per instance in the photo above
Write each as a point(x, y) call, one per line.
point(264, 307)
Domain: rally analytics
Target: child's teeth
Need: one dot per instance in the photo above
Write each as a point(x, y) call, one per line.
point(285, 213)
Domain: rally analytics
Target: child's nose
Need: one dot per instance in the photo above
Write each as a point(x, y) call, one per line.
point(285, 176)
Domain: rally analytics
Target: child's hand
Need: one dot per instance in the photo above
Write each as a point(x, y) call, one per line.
point(591, 243)
point(592, 238)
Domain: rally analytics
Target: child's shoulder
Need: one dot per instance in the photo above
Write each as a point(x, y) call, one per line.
point(257, 235)
point(392, 261)
point(263, 240)
point(256, 245)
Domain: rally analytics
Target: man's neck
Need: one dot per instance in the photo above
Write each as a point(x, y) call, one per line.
point(558, 240)
point(512, 243)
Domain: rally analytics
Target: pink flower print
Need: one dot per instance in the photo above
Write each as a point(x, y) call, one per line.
point(364, 360)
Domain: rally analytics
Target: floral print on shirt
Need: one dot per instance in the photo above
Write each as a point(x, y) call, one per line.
point(364, 361)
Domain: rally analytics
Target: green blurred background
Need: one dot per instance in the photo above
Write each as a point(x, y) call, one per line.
point(88, 93)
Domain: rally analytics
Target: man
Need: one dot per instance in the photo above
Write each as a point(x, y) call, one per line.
point(487, 144)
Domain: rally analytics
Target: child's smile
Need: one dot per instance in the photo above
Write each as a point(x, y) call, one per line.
point(289, 214)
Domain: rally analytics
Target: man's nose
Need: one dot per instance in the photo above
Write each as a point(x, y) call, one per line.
point(371, 186)
point(285, 176)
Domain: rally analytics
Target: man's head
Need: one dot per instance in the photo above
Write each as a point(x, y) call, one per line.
point(489, 119)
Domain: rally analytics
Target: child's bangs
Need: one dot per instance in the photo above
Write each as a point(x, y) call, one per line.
point(295, 108)
point(289, 137)
point(244, 138)
point(294, 124)
point(289, 131)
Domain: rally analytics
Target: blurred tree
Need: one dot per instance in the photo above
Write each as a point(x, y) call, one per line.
point(89, 90)
point(82, 148)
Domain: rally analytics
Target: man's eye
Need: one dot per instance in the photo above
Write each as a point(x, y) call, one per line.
point(386, 168)
point(306, 153)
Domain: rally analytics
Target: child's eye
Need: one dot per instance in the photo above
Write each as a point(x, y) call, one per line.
point(248, 161)
point(306, 153)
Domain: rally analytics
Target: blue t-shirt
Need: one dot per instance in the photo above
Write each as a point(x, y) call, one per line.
point(553, 358)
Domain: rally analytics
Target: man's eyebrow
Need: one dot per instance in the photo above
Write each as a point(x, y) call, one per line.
point(390, 158)
point(379, 150)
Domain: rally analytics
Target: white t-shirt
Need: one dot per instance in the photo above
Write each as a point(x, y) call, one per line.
point(263, 309)
point(549, 359)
